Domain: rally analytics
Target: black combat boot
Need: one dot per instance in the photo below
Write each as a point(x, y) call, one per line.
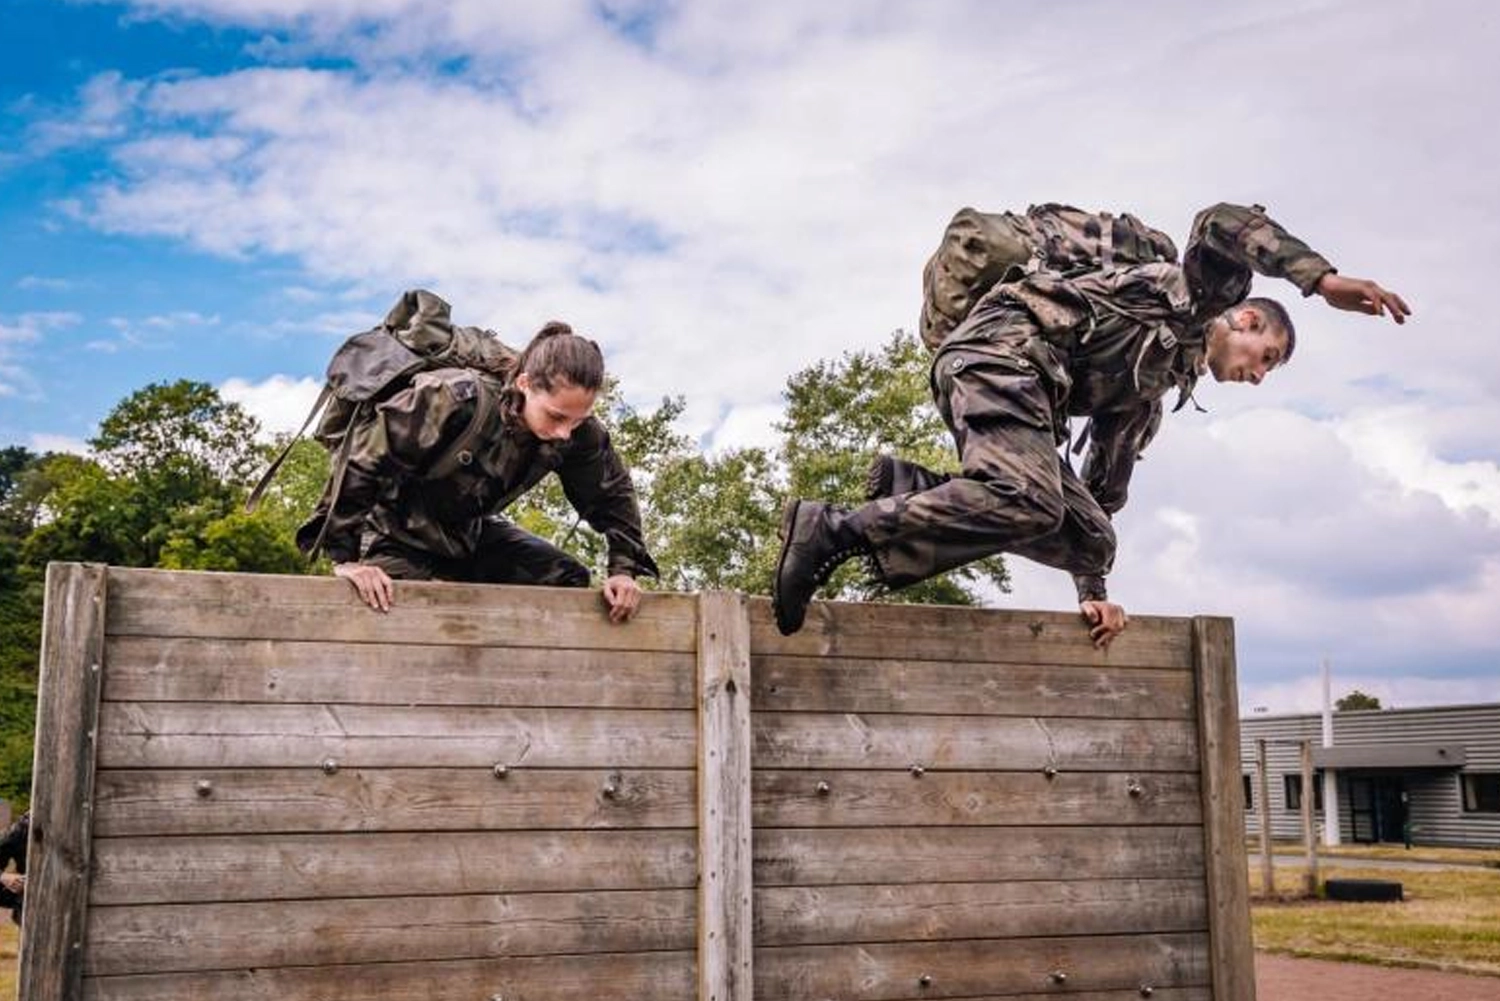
point(889, 476)
point(816, 538)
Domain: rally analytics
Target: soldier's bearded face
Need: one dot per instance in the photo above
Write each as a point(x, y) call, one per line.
point(554, 414)
point(1244, 348)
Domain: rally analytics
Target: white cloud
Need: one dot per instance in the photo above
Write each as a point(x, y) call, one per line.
point(43, 443)
point(280, 403)
point(25, 329)
point(28, 283)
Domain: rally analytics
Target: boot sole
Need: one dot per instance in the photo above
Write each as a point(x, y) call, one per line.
point(785, 531)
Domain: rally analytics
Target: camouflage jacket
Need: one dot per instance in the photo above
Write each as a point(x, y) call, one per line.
point(1110, 344)
point(391, 487)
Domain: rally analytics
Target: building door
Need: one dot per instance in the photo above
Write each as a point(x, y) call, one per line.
point(1377, 808)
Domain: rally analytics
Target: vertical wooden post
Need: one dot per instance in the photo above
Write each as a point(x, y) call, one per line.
point(724, 888)
point(1263, 793)
point(1309, 837)
point(1232, 954)
point(62, 796)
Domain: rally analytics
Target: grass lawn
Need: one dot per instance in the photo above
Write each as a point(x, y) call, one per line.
point(1469, 856)
point(1450, 920)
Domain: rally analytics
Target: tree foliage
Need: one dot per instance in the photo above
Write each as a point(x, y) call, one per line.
point(1356, 700)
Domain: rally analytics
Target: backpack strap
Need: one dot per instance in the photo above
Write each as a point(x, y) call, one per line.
point(461, 452)
point(259, 489)
point(336, 477)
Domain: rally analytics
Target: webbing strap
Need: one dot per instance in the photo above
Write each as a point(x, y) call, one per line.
point(461, 452)
point(1106, 241)
point(340, 465)
point(259, 489)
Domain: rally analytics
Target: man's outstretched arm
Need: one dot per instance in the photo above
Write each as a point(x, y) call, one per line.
point(1229, 242)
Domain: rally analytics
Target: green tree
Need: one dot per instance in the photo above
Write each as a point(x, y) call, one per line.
point(712, 520)
point(182, 434)
point(1356, 700)
point(237, 541)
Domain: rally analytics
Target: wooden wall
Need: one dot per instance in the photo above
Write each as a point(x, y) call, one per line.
point(493, 793)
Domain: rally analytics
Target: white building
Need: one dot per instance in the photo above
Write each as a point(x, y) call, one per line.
point(1437, 769)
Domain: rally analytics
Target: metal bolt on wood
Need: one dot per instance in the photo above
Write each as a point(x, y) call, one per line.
point(204, 788)
point(925, 980)
point(329, 766)
point(501, 771)
point(1147, 990)
point(1135, 789)
point(823, 788)
point(918, 771)
point(1050, 771)
point(1059, 977)
point(611, 790)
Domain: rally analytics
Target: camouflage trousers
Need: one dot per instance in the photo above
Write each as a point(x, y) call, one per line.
point(505, 555)
point(1013, 493)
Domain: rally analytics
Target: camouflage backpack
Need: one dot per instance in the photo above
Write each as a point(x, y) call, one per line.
point(983, 249)
point(417, 335)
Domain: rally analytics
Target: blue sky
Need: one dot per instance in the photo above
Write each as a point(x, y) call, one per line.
point(724, 193)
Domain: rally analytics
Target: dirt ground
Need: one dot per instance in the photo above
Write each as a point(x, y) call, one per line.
point(1283, 978)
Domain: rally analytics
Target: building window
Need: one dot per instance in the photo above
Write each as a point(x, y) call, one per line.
point(1249, 797)
point(1293, 787)
point(1481, 793)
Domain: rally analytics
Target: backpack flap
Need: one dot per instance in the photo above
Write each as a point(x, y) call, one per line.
point(367, 363)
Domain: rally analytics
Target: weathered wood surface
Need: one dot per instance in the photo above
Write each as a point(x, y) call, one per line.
point(724, 799)
point(812, 856)
point(946, 799)
point(393, 866)
point(137, 938)
point(661, 976)
point(137, 803)
point(1227, 872)
point(262, 801)
point(152, 669)
point(238, 735)
point(819, 915)
point(929, 632)
point(234, 606)
point(61, 849)
point(883, 971)
point(828, 740)
point(876, 685)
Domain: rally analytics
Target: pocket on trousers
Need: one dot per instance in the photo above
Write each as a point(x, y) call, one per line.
point(982, 387)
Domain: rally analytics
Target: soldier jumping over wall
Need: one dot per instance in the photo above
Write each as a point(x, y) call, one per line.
point(1089, 316)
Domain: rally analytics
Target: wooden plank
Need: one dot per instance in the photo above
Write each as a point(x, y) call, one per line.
point(172, 938)
point(236, 735)
point(60, 853)
point(883, 972)
point(281, 867)
point(152, 669)
point(873, 685)
point(822, 915)
point(934, 632)
point(237, 606)
point(667, 976)
point(724, 812)
point(938, 799)
point(1233, 955)
point(882, 740)
point(265, 801)
point(825, 856)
